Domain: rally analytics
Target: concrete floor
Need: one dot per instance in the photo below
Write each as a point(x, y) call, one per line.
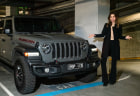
point(127, 85)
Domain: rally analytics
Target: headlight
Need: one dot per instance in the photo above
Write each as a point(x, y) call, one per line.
point(94, 49)
point(84, 45)
point(46, 48)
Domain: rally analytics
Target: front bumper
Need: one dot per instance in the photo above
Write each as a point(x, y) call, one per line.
point(61, 69)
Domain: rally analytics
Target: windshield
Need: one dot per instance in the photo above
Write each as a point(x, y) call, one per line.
point(36, 25)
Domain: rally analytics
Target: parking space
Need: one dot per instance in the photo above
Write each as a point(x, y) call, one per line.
point(2, 92)
point(128, 84)
point(52, 37)
point(47, 85)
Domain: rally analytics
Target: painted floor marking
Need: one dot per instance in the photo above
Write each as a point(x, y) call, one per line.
point(124, 78)
point(78, 88)
point(6, 90)
point(71, 89)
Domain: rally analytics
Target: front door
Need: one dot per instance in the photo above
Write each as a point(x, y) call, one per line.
point(6, 40)
point(1, 32)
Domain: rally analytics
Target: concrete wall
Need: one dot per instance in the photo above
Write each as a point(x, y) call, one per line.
point(131, 26)
point(130, 48)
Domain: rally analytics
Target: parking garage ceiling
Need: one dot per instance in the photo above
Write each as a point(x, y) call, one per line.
point(39, 6)
point(120, 3)
point(29, 3)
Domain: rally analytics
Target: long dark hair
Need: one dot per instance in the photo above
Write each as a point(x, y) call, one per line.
point(109, 22)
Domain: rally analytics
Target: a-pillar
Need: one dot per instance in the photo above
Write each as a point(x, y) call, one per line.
point(90, 17)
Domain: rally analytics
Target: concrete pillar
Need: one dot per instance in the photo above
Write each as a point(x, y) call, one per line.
point(90, 17)
point(11, 11)
point(8, 11)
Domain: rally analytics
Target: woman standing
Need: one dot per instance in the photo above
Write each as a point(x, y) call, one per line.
point(112, 32)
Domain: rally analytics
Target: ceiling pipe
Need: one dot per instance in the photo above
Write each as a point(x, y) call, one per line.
point(128, 7)
point(56, 9)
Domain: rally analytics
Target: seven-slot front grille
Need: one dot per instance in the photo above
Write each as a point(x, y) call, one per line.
point(66, 50)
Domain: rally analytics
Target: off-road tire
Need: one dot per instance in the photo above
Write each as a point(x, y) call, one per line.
point(25, 81)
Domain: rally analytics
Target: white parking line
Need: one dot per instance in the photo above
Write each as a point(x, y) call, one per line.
point(124, 78)
point(6, 90)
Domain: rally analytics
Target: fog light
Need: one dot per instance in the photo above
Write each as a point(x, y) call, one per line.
point(47, 70)
point(94, 64)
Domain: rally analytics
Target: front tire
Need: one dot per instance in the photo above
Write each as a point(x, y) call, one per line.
point(25, 81)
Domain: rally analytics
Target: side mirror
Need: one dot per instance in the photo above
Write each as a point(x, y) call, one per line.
point(7, 31)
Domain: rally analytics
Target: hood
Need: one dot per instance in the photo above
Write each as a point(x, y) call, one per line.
point(50, 37)
point(33, 38)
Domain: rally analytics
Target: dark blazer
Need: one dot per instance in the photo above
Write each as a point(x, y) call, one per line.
point(106, 33)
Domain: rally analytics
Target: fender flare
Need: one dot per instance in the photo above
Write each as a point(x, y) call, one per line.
point(19, 50)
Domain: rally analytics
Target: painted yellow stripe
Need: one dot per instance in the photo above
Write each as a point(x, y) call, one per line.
point(127, 58)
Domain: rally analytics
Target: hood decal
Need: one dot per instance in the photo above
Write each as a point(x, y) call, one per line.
point(27, 40)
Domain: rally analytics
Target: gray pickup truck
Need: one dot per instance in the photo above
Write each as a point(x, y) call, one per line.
point(37, 47)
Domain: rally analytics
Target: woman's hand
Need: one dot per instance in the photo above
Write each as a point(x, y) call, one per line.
point(91, 35)
point(128, 37)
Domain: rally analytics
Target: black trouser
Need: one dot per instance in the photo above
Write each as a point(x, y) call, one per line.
point(112, 75)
